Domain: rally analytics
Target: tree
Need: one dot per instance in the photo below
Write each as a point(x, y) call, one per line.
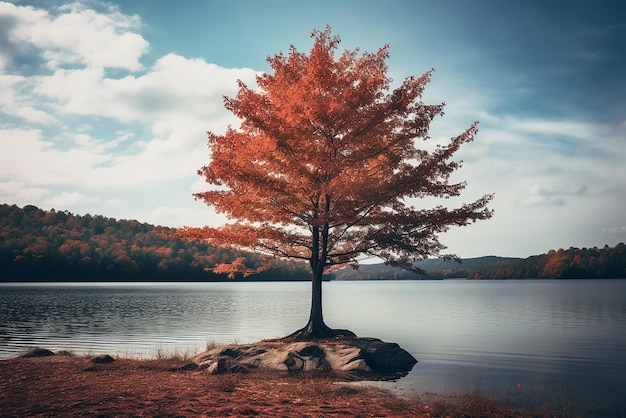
point(324, 166)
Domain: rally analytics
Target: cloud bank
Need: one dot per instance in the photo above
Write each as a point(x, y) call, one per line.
point(92, 119)
point(76, 63)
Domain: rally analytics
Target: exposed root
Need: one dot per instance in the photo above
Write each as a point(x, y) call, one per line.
point(309, 332)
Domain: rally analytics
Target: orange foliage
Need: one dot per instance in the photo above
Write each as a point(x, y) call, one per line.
point(237, 266)
point(324, 163)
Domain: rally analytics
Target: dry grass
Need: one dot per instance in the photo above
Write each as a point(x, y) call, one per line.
point(227, 382)
point(74, 386)
point(67, 384)
point(470, 405)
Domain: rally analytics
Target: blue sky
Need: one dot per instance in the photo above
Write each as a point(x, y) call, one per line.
point(104, 105)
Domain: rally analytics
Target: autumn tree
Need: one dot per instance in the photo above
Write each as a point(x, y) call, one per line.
point(325, 167)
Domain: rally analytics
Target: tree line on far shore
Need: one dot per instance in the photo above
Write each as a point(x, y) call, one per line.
point(41, 245)
point(573, 263)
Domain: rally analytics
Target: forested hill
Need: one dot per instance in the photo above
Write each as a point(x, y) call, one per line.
point(40, 245)
point(574, 263)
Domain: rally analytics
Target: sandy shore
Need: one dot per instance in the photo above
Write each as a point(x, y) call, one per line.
point(65, 385)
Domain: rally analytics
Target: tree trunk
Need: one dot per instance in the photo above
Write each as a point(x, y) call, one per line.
point(316, 328)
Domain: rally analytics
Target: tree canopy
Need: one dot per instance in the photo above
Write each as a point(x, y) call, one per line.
point(325, 166)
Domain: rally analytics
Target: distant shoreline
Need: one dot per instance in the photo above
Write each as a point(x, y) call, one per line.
point(147, 282)
point(49, 246)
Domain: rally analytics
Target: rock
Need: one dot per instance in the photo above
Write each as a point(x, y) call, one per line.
point(358, 357)
point(218, 367)
point(103, 359)
point(385, 357)
point(312, 351)
point(185, 367)
point(294, 362)
point(38, 352)
point(348, 359)
point(241, 368)
point(314, 359)
point(229, 352)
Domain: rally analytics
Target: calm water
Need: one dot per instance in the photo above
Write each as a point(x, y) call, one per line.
point(526, 342)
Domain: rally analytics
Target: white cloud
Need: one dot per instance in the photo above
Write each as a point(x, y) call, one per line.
point(20, 105)
point(18, 193)
point(77, 35)
point(549, 137)
point(25, 156)
point(31, 114)
point(115, 202)
point(551, 194)
point(200, 185)
point(197, 215)
point(67, 200)
point(90, 163)
point(615, 230)
point(551, 190)
point(173, 86)
point(178, 98)
point(559, 127)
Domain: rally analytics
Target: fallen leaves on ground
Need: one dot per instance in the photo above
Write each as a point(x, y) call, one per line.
point(73, 386)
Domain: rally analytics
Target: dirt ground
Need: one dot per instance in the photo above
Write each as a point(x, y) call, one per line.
point(74, 386)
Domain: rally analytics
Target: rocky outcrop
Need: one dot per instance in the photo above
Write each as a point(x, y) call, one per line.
point(345, 356)
point(350, 356)
point(384, 356)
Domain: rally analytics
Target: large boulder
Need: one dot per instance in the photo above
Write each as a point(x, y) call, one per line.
point(353, 356)
point(384, 357)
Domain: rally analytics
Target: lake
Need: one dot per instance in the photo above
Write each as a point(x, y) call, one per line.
point(524, 342)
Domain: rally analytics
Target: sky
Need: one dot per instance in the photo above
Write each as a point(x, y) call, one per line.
point(104, 106)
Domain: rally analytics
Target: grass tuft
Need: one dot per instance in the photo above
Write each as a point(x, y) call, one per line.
point(211, 344)
point(228, 382)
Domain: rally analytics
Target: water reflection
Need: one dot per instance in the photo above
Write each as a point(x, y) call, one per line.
point(137, 319)
point(515, 339)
